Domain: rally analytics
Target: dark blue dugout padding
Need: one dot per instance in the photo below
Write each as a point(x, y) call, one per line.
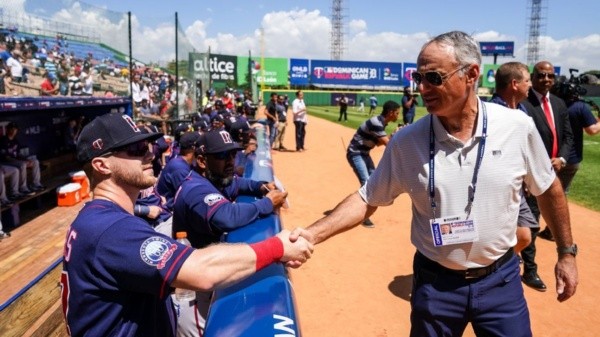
point(264, 303)
point(261, 168)
point(43, 121)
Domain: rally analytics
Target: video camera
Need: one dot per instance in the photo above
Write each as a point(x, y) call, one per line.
point(571, 90)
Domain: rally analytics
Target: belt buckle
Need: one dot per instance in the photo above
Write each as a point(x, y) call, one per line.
point(472, 274)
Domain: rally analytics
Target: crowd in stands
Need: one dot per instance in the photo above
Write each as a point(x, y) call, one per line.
point(25, 58)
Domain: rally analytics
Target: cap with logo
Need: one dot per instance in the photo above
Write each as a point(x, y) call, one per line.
point(216, 141)
point(189, 140)
point(108, 132)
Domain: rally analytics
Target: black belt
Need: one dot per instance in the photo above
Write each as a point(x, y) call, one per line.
point(471, 273)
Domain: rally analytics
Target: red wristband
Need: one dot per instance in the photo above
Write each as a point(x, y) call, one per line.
point(267, 252)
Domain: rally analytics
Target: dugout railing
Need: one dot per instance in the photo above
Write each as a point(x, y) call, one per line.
point(263, 304)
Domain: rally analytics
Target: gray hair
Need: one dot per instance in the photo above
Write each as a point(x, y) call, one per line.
point(465, 48)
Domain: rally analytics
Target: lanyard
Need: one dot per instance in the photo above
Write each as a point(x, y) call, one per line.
point(473, 185)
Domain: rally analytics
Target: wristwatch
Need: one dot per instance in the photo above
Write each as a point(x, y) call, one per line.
point(567, 250)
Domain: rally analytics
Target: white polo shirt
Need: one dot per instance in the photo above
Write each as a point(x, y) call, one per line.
point(514, 153)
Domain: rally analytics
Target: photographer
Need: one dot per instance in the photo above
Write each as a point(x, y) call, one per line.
point(409, 103)
point(581, 119)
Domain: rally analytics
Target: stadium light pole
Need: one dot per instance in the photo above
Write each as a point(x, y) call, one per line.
point(130, 61)
point(176, 68)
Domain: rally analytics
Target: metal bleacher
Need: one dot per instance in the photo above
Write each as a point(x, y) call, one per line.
point(80, 49)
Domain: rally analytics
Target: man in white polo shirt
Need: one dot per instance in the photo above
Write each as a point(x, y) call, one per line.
point(463, 165)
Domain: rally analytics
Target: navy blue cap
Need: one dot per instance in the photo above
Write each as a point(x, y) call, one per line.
point(216, 141)
point(108, 132)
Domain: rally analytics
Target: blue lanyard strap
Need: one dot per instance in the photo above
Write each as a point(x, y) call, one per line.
point(473, 185)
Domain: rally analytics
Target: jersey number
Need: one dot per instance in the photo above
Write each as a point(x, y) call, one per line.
point(64, 295)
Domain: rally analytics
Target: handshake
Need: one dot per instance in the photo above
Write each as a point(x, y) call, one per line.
point(297, 246)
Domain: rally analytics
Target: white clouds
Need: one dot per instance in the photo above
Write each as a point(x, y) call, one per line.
point(357, 26)
point(302, 33)
point(581, 53)
point(296, 33)
point(197, 31)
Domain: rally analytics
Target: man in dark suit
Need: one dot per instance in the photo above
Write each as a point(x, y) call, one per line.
point(551, 119)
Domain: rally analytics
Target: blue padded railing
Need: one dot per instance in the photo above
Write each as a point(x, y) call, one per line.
point(264, 303)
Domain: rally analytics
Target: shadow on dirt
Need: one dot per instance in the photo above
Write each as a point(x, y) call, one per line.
point(401, 286)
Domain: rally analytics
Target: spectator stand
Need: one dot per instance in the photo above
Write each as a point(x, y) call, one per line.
point(105, 62)
point(264, 303)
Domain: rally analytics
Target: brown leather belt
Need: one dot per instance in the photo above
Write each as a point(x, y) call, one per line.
point(472, 273)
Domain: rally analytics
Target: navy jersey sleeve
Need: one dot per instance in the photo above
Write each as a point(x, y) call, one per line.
point(229, 216)
point(171, 179)
point(244, 186)
point(134, 256)
point(208, 205)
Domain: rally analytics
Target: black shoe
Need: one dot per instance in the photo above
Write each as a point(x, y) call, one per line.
point(368, 223)
point(15, 197)
point(38, 188)
point(281, 148)
point(6, 203)
point(534, 281)
point(546, 234)
point(27, 192)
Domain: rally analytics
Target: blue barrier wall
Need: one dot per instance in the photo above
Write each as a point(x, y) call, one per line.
point(263, 304)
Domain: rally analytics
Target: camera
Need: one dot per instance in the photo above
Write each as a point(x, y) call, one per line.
point(569, 90)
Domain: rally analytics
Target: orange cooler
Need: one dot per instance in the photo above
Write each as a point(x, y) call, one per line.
point(69, 194)
point(82, 179)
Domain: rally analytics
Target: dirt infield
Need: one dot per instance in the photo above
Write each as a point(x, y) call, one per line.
point(359, 283)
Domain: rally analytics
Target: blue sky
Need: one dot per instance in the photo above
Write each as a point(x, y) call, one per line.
point(377, 30)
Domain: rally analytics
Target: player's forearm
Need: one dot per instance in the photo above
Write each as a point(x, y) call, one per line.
point(216, 266)
point(346, 215)
point(554, 209)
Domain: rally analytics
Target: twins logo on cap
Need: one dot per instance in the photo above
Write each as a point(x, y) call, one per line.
point(98, 144)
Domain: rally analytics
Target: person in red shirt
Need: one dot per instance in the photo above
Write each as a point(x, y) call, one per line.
point(49, 86)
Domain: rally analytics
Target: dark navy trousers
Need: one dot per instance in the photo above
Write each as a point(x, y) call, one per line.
point(443, 303)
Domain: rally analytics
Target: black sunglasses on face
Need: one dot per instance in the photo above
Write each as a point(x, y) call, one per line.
point(545, 75)
point(139, 149)
point(433, 77)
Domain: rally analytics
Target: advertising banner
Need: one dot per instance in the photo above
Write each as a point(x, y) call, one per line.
point(200, 74)
point(199, 69)
point(489, 75)
point(347, 73)
point(408, 69)
point(299, 71)
point(504, 48)
point(274, 71)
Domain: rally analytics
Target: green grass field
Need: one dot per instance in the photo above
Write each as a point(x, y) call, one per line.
point(584, 189)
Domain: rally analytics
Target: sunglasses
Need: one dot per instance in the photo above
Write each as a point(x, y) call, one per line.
point(545, 75)
point(139, 149)
point(225, 155)
point(433, 77)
